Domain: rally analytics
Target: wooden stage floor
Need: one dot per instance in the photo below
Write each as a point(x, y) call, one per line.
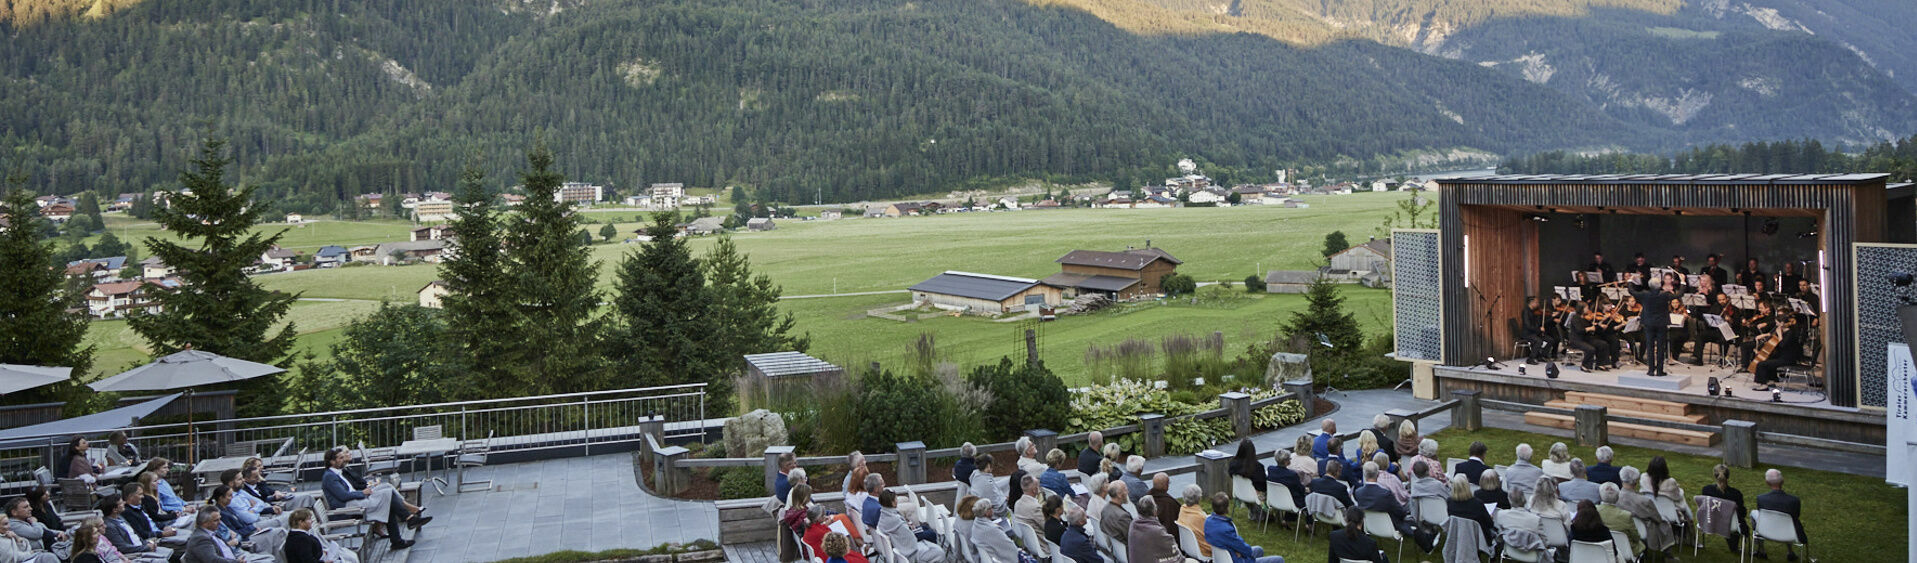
point(1738, 383)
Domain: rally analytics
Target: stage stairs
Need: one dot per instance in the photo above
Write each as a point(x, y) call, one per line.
point(1633, 407)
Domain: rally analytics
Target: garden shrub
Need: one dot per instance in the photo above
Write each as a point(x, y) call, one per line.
point(1023, 397)
point(894, 408)
point(741, 484)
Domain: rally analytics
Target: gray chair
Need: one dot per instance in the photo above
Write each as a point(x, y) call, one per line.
point(472, 453)
point(431, 432)
point(377, 462)
point(282, 474)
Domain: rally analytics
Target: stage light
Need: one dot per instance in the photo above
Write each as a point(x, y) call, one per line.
point(1711, 387)
point(1520, 370)
point(1679, 212)
point(1807, 234)
point(1776, 395)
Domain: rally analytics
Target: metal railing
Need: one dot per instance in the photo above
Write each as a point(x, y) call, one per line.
point(569, 420)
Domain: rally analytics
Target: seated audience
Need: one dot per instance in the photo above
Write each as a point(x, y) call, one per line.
point(1579, 488)
point(856, 495)
point(1408, 441)
point(1461, 504)
point(1491, 491)
point(1306, 466)
point(989, 535)
point(119, 451)
point(1521, 475)
point(1352, 543)
point(782, 483)
point(248, 509)
point(43, 510)
point(1283, 475)
point(1113, 520)
point(822, 524)
point(169, 502)
point(1054, 519)
point(152, 504)
point(869, 512)
point(1321, 445)
point(1335, 449)
point(1616, 518)
point(984, 483)
point(795, 478)
point(1390, 481)
point(1657, 482)
point(1030, 505)
point(854, 462)
point(1167, 507)
point(1514, 522)
point(1054, 480)
point(1245, 464)
point(1221, 533)
point(916, 543)
point(1427, 453)
point(21, 520)
point(1603, 472)
point(1381, 438)
point(1148, 541)
point(304, 544)
point(344, 487)
point(1657, 535)
point(17, 549)
point(1133, 479)
point(963, 521)
point(1192, 516)
point(1424, 484)
point(77, 465)
point(1545, 502)
point(1376, 498)
point(1089, 456)
point(1474, 467)
point(1588, 525)
point(1721, 488)
point(1077, 543)
point(253, 484)
point(1786, 503)
point(121, 535)
point(1332, 484)
point(86, 546)
point(795, 518)
point(205, 545)
point(962, 469)
point(1028, 456)
point(1558, 465)
point(135, 497)
point(837, 547)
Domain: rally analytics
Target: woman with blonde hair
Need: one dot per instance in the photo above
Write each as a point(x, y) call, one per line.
point(1408, 439)
point(1367, 446)
point(1544, 501)
point(1558, 465)
point(1301, 461)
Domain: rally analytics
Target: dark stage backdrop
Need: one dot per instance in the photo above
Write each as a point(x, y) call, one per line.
point(1563, 247)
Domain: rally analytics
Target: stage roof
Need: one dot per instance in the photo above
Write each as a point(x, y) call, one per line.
point(1752, 179)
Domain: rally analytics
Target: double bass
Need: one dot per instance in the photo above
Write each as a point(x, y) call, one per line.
point(1770, 345)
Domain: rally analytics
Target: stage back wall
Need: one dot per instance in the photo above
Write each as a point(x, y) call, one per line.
point(1490, 236)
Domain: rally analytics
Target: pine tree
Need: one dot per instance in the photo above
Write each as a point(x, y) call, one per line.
point(36, 327)
point(744, 309)
point(553, 275)
point(481, 318)
point(220, 309)
point(1335, 242)
point(1325, 315)
point(664, 308)
point(90, 206)
point(608, 231)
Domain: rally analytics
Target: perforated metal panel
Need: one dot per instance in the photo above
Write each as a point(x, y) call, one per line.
point(1417, 287)
point(1877, 324)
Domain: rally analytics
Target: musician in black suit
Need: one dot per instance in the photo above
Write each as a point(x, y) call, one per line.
point(1750, 274)
point(1536, 324)
point(1677, 265)
point(1781, 501)
point(1787, 280)
point(1605, 275)
point(1789, 349)
point(1579, 334)
point(1642, 267)
point(1715, 271)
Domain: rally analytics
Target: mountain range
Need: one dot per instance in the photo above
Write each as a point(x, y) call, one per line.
point(847, 100)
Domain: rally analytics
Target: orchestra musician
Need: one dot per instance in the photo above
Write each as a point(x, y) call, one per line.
point(1655, 323)
point(1607, 324)
point(1677, 263)
point(1538, 332)
point(1749, 276)
point(1789, 349)
point(1761, 288)
point(1707, 286)
point(1560, 313)
point(1642, 267)
point(1811, 299)
point(1787, 281)
point(1718, 276)
point(1579, 335)
point(1696, 331)
point(1757, 323)
point(1626, 310)
point(1605, 275)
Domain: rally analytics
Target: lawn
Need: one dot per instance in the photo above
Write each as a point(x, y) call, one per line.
point(1850, 517)
point(306, 237)
point(319, 323)
point(842, 334)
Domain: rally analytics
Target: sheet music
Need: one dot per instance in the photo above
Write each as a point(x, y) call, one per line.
point(1613, 292)
point(1694, 300)
point(1692, 279)
point(1677, 320)
point(1630, 325)
point(1724, 328)
point(1568, 293)
point(1745, 301)
point(1735, 290)
point(1577, 277)
point(1594, 276)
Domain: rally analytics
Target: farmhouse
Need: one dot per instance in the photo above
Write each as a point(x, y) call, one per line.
point(433, 294)
point(1131, 274)
point(58, 212)
point(96, 269)
point(392, 252)
point(703, 226)
point(1289, 281)
point(983, 293)
point(330, 256)
point(907, 208)
point(119, 299)
point(830, 215)
point(432, 232)
point(153, 267)
point(760, 224)
point(1369, 260)
point(1212, 196)
point(276, 258)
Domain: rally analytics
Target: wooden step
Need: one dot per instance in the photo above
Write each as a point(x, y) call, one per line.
point(1628, 430)
point(1617, 402)
point(1686, 418)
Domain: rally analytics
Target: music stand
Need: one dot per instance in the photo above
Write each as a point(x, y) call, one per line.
point(1744, 301)
point(1594, 276)
point(1735, 290)
point(1801, 307)
point(1692, 279)
point(1567, 293)
point(1695, 300)
point(1614, 292)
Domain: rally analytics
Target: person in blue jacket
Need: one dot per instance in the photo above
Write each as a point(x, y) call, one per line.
point(1221, 533)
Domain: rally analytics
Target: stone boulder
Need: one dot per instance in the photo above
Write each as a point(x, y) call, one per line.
point(749, 435)
point(1287, 367)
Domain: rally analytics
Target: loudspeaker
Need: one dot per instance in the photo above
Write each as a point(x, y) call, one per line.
point(1551, 370)
point(1711, 386)
point(1490, 364)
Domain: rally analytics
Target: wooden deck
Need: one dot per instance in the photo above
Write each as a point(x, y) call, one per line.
point(762, 552)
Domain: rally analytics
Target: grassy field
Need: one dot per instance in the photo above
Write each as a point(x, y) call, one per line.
point(306, 237)
point(319, 324)
point(1833, 504)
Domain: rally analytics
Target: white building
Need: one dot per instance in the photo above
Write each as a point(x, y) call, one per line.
point(579, 192)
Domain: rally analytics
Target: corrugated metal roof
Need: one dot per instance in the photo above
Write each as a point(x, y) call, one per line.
point(1861, 178)
point(780, 364)
point(975, 286)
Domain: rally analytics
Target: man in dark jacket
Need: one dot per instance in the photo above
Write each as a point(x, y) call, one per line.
point(1089, 457)
point(1281, 474)
point(1077, 544)
point(1655, 322)
point(1781, 501)
point(1375, 498)
point(1790, 348)
point(1353, 543)
point(1603, 472)
point(963, 468)
point(1332, 483)
point(1473, 468)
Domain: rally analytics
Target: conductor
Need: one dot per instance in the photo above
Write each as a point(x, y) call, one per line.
point(1655, 321)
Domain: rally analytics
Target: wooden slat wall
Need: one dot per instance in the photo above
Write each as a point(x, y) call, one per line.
point(1852, 212)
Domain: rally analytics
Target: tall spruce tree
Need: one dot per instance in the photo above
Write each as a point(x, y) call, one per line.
point(744, 308)
point(1325, 314)
point(220, 309)
point(553, 274)
point(36, 325)
point(666, 334)
point(481, 319)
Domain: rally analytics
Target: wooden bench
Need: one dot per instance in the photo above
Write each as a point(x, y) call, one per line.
point(1628, 430)
point(1634, 404)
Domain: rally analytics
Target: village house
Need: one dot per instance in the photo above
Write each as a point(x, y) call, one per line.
point(330, 256)
point(116, 300)
point(983, 293)
point(830, 215)
point(1250, 195)
point(907, 208)
point(1208, 196)
point(579, 192)
point(702, 226)
point(387, 254)
point(432, 232)
point(154, 268)
point(1289, 281)
point(278, 259)
point(512, 200)
point(760, 224)
point(1131, 274)
point(1368, 264)
point(432, 296)
point(295, 218)
point(97, 270)
point(673, 190)
point(371, 200)
point(58, 212)
point(433, 210)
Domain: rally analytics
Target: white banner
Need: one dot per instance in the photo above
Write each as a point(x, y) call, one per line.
point(1900, 414)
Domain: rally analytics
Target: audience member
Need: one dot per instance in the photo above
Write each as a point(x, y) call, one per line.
point(1588, 524)
point(1245, 464)
point(1113, 520)
point(1657, 531)
point(1617, 518)
point(1016, 492)
point(1515, 521)
point(121, 535)
point(1658, 483)
point(1522, 475)
point(1491, 490)
point(1332, 484)
point(153, 503)
point(344, 487)
point(119, 451)
point(1427, 453)
point(1780, 501)
point(1544, 501)
point(249, 510)
point(1334, 451)
point(1721, 488)
point(962, 526)
point(1381, 436)
point(204, 547)
point(1558, 464)
point(989, 537)
point(231, 527)
point(305, 545)
point(86, 546)
point(169, 502)
point(869, 506)
point(20, 519)
point(1460, 504)
point(135, 497)
point(984, 484)
point(1352, 543)
point(1167, 507)
point(836, 547)
point(1283, 475)
point(1389, 479)
point(854, 462)
point(1029, 508)
point(1134, 467)
point(1305, 465)
point(1603, 472)
point(1028, 456)
point(1077, 543)
point(821, 527)
point(1054, 519)
point(795, 478)
point(1474, 467)
point(1321, 445)
point(1579, 488)
point(800, 501)
point(1089, 456)
point(1408, 441)
point(782, 484)
point(76, 464)
point(854, 495)
point(43, 511)
point(1192, 516)
point(916, 543)
point(1375, 498)
point(1423, 484)
point(1148, 541)
point(17, 549)
point(1368, 446)
point(1052, 479)
point(962, 469)
point(1221, 533)
point(253, 484)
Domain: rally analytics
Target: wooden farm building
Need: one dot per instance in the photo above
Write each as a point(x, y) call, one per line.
point(1129, 274)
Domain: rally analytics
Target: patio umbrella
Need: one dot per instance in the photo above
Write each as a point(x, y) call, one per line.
point(185, 369)
point(15, 378)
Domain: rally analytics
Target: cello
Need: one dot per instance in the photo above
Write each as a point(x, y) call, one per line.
point(1770, 345)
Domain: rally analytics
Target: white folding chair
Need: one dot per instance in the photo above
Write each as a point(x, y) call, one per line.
point(1029, 540)
point(1625, 553)
point(1776, 526)
point(1220, 555)
point(1278, 499)
point(1379, 525)
point(1118, 550)
point(1588, 552)
point(1243, 490)
point(1521, 555)
point(1343, 560)
point(1336, 520)
point(1188, 543)
point(1555, 533)
point(1432, 510)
